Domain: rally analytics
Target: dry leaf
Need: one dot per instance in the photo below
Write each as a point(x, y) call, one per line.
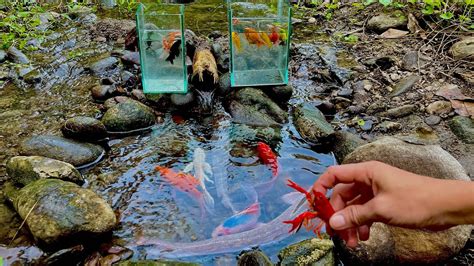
point(414, 26)
point(393, 34)
point(463, 108)
point(452, 92)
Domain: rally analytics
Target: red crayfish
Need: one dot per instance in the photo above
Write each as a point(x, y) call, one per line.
point(319, 207)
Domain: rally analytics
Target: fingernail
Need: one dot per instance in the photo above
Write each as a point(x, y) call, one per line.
point(337, 221)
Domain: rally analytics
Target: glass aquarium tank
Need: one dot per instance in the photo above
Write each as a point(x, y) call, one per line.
point(260, 32)
point(162, 48)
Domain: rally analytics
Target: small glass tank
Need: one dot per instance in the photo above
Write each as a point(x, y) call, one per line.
point(162, 48)
point(260, 33)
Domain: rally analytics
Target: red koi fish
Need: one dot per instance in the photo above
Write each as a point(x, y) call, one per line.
point(266, 154)
point(319, 207)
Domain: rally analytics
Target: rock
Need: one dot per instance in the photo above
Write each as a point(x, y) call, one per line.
point(345, 92)
point(463, 49)
point(466, 75)
point(129, 80)
point(17, 56)
point(422, 135)
point(84, 128)
point(389, 126)
point(383, 22)
point(103, 92)
point(249, 115)
point(312, 251)
point(25, 169)
point(3, 56)
point(345, 143)
point(102, 66)
point(33, 77)
point(258, 99)
point(311, 20)
point(399, 111)
point(463, 127)
point(109, 103)
point(404, 84)
point(383, 62)
point(439, 108)
point(245, 133)
point(366, 125)
point(355, 109)
point(138, 95)
point(155, 263)
point(127, 116)
point(130, 58)
point(412, 60)
point(70, 151)
point(182, 99)
point(254, 258)
point(432, 120)
point(409, 246)
point(393, 34)
point(281, 94)
point(311, 124)
point(63, 211)
point(224, 88)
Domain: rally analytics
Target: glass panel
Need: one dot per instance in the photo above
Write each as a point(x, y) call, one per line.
point(260, 41)
point(162, 48)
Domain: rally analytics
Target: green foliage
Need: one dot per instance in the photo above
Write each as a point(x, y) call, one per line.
point(128, 6)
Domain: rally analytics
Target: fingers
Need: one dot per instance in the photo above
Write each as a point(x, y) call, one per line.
point(353, 216)
point(347, 173)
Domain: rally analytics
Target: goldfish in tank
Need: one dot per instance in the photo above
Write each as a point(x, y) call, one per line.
point(236, 41)
point(171, 45)
point(253, 37)
point(266, 39)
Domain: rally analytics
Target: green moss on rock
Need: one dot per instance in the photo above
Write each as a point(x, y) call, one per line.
point(313, 251)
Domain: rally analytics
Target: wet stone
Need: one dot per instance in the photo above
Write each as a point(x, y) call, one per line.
point(345, 143)
point(84, 128)
point(254, 258)
point(131, 58)
point(25, 169)
point(389, 126)
point(3, 56)
point(311, 124)
point(182, 99)
point(313, 251)
point(439, 108)
point(383, 22)
point(17, 56)
point(138, 95)
point(245, 133)
point(129, 80)
point(463, 127)
point(224, 88)
point(102, 66)
point(281, 94)
point(33, 77)
point(249, 115)
point(432, 120)
point(345, 92)
point(367, 125)
point(257, 98)
point(127, 116)
point(404, 85)
point(63, 211)
point(463, 49)
point(59, 148)
point(412, 60)
point(399, 111)
point(103, 92)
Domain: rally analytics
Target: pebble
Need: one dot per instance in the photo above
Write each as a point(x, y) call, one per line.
point(439, 108)
point(312, 20)
point(432, 120)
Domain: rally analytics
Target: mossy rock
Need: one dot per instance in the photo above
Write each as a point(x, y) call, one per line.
point(25, 169)
point(250, 115)
point(84, 128)
point(315, 251)
point(386, 21)
point(254, 258)
point(127, 116)
point(57, 211)
point(258, 99)
point(311, 124)
point(463, 127)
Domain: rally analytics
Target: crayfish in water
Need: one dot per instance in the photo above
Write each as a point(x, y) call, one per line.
point(319, 207)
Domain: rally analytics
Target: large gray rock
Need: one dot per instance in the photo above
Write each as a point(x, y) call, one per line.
point(249, 115)
point(311, 124)
point(463, 49)
point(25, 169)
point(3, 56)
point(84, 128)
point(409, 246)
point(345, 143)
point(182, 99)
point(62, 211)
point(463, 127)
point(314, 251)
point(258, 99)
point(103, 65)
point(383, 22)
point(127, 116)
point(59, 148)
point(17, 56)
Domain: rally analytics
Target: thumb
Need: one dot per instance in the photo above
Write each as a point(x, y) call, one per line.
point(352, 216)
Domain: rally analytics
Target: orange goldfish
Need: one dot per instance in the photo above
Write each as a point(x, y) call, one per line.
point(236, 41)
point(169, 40)
point(182, 181)
point(253, 37)
point(266, 39)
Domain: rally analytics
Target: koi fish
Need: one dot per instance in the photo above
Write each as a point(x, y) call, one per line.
point(240, 222)
point(266, 154)
point(236, 41)
point(182, 181)
point(201, 168)
point(266, 39)
point(253, 37)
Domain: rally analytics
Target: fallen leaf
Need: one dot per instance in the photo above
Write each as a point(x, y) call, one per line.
point(463, 108)
point(393, 34)
point(452, 92)
point(414, 26)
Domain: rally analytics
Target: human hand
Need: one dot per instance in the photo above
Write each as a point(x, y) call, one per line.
point(370, 192)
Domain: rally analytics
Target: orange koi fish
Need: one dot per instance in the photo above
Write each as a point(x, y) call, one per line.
point(182, 181)
point(236, 41)
point(266, 39)
point(253, 37)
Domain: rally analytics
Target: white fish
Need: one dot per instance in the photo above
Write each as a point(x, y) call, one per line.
point(201, 171)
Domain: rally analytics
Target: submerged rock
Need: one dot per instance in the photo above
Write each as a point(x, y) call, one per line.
point(17, 56)
point(224, 88)
point(312, 124)
point(463, 127)
point(59, 148)
point(463, 49)
point(400, 245)
point(84, 128)
point(26, 169)
point(245, 133)
point(315, 251)
point(62, 211)
point(258, 99)
point(127, 116)
point(383, 22)
point(250, 115)
point(281, 94)
point(254, 258)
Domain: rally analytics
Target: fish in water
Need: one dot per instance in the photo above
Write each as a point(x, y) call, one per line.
point(240, 222)
point(253, 37)
point(174, 51)
point(274, 36)
point(266, 39)
point(266, 154)
point(236, 41)
point(171, 45)
point(201, 170)
point(264, 234)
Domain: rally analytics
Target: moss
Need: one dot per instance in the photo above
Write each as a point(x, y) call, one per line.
point(313, 251)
